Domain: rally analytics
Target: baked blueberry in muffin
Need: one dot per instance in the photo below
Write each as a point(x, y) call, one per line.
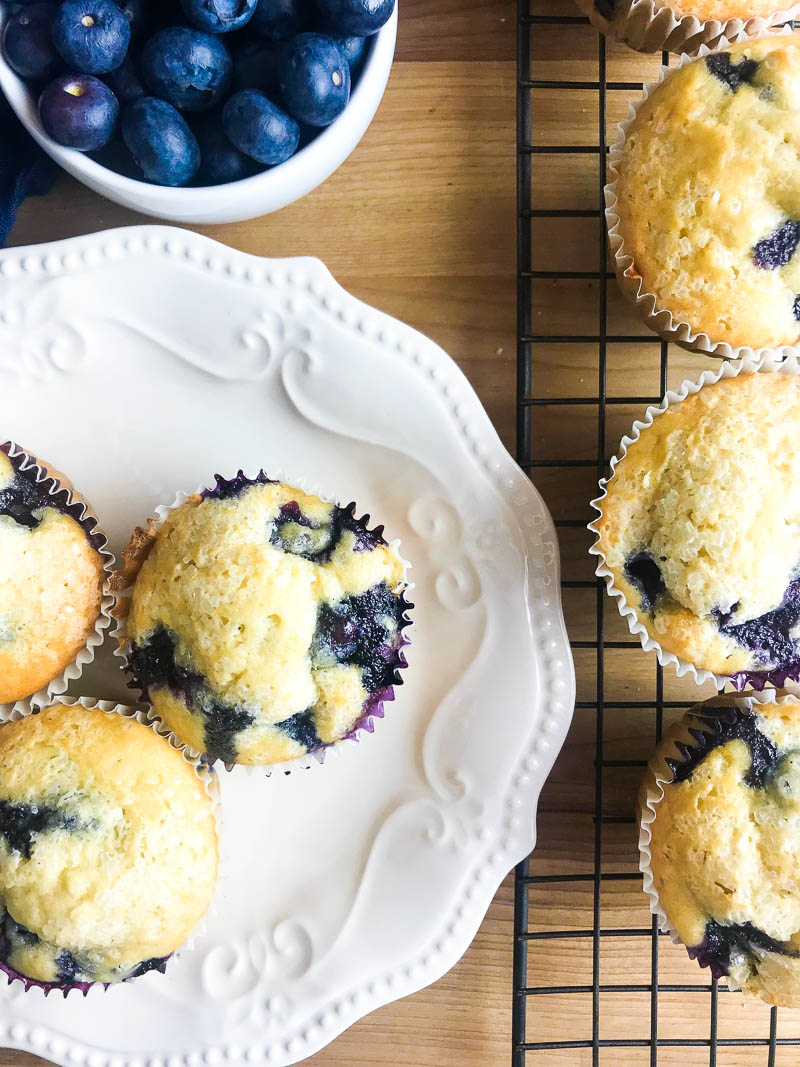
point(108, 848)
point(51, 577)
point(265, 623)
point(708, 194)
point(700, 528)
point(723, 844)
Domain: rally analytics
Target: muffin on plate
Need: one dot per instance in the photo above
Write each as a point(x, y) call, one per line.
point(705, 209)
point(51, 577)
point(700, 528)
point(719, 810)
point(108, 847)
point(685, 25)
point(264, 622)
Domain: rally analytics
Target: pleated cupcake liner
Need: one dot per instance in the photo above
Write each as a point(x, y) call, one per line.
point(677, 745)
point(67, 500)
point(660, 319)
point(653, 26)
point(210, 781)
point(758, 679)
point(374, 708)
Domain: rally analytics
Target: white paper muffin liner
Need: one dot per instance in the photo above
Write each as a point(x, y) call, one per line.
point(650, 26)
point(311, 760)
point(768, 364)
point(659, 774)
point(82, 513)
point(661, 320)
point(205, 773)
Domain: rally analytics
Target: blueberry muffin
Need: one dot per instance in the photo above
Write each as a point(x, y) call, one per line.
point(708, 195)
point(265, 623)
point(108, 847)
point(724, 849)
point(700, 527)
point(51, 577)
point(703, 10)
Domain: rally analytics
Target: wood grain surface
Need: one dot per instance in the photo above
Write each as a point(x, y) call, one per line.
point(420, 222)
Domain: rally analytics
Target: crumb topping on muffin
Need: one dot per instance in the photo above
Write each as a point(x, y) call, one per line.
point(108, 847)
point(724, 843)
point(701, 525)
point(264, 620)
point(708, 193)
point(51, 583)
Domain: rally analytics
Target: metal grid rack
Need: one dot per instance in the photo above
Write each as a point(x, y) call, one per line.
point(764, 1043)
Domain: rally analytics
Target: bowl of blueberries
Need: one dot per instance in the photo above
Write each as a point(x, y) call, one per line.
point(198, 110)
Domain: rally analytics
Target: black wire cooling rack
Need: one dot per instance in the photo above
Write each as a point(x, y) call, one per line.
point(696, 1033)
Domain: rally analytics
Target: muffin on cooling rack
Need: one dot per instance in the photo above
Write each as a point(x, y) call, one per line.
point(685, 25)
point(51, 577)
point(265, 623)
point(705, 210)
point(699, 531)
point(108, 847)
point(719, 808)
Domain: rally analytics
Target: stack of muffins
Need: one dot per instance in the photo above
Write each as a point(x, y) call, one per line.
point(698, 535)
point(260, 624)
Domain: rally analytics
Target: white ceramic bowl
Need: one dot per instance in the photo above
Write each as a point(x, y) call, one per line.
point(265, 192)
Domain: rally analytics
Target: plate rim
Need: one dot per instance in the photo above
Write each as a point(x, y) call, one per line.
point(555, 670)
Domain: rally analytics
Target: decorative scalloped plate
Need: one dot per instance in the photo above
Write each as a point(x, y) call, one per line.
point(142, 361)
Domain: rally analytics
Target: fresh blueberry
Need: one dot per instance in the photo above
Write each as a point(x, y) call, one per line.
point(315, 79)
point(776, 250)
point(189, 69)
point(79, 111)
point(280, 19)
point(221, 161)
point(354, 49)
point(28, 43)
point(219, 16)
point(362, 17)
point(730, 74)
point(259, 128)
point(255, 66)
point(124, 82)
point(159, 140)
point(92, 36)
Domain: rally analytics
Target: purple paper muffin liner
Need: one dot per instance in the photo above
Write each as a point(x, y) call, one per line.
point(373, 708)
point(69, 502)
point(211, 783)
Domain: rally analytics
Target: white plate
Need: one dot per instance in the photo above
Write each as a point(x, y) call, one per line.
point(142, 361)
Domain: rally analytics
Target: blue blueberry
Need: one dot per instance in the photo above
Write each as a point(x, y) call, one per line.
point(719, 727)
point(644, 574)
point(189, 69)
point(219, 16)
point(724, 943)
point(221, 162)
point(354, 50)
point(259, 128)
point(280, 19)
point(160, 141)
point(770, 635)
point(315, 79)
point(22, 824)
point(79, 111)
point(28, 43)
point(361, 17)
point(776, 250)
point(255, 66)
point(91, 36)
point(124, 82)
point(734, 75)
point(796, 308)
point(140, 16)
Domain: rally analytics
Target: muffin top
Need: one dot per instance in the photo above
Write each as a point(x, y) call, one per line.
point(709, 194)
point(701, 525)
point(725, 845)
point(51, 581)
point(108, 846)
point(264, 621)
point(705, 9)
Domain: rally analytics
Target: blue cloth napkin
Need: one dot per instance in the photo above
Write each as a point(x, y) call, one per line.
point(25, 170)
